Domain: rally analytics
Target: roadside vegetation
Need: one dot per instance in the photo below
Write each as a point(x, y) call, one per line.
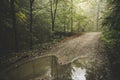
point(111, 36)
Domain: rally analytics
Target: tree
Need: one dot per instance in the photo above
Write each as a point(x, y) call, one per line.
point(111, 38)
point(98, 12)
point(53, 12)
point(31, 20)
point(13, 12)
point(71, 11)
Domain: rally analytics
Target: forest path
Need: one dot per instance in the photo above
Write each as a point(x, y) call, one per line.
point(80, 46)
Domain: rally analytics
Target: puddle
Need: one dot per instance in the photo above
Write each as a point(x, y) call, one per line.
point(79, 74)
point(47, 68)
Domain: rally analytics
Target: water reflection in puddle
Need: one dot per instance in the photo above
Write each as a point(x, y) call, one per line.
point(48, 69)
point(78, 74)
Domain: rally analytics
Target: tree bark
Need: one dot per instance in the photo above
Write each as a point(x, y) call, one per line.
point(31, 24)
point(53, 12)
point(71, 24)
point(71, 16)
point(98, 11)
point(14, 24)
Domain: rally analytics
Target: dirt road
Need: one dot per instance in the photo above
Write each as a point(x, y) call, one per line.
point(84, 52)
point(80, 46)
point(69, 49)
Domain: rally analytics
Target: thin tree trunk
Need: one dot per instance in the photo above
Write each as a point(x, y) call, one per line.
point(31, 22)
point(53, 13)
point(14, 24)
point(71, 24)
point(71, 15)
point(55, 9)
point(98, 10)
point(64, 26)
point(64, 30)
point(78, 26)
point(51, 7)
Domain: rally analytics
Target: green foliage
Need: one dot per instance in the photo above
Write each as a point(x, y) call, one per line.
point(111, 22)
point(21, 16)
point(112, 36)
point(75, 13)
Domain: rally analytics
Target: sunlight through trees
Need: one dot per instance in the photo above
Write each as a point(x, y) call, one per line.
point(32, 23)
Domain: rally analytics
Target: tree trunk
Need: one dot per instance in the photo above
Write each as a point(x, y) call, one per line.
point(64, 30)
point(98, 11)
point(64, 26)
point(14, 24)
point(53, 13)
point(71, 15)
point(78, 26)
point(71, 24)
point(31, 22)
